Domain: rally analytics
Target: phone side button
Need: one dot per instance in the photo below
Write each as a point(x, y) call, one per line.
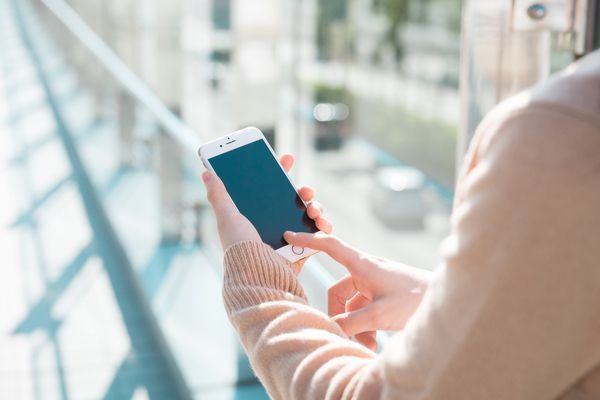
point(297, 250)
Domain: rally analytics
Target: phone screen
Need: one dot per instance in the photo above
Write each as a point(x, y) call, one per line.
point(262, 192)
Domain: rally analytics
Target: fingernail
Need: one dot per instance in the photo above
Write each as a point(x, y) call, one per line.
point(206, 176)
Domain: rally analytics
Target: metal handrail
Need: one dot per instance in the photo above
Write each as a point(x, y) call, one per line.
point(173, 126)
point(131, 83)
point(139, 90)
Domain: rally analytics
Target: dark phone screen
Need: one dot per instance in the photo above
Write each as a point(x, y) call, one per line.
point(262, 192)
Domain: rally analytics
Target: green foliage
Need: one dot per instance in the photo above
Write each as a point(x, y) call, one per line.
point(426, 144)
point(397, 13)
point(324, 93)
point(333, 9)
point(329, 11)
point(454, 17)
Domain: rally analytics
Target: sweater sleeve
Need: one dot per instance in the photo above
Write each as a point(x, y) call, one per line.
point(296, 351)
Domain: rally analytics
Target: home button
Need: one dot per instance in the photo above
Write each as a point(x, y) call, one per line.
point(297, 250)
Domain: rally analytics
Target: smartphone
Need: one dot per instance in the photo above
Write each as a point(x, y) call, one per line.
point(260, 188)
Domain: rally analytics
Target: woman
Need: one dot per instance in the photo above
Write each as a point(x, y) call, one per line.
point(513, 311)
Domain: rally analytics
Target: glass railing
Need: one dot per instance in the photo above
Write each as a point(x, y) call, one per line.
point(138, 162)
point(149, 134)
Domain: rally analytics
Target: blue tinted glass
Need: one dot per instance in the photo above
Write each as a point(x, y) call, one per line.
point(262, 192)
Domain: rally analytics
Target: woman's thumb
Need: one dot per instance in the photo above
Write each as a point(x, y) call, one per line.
point(217, 194)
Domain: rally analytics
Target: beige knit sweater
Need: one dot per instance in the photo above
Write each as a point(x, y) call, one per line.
point(514, 310)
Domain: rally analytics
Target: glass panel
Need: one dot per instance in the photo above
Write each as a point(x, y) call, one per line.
point(384, 86)
point(499, 61)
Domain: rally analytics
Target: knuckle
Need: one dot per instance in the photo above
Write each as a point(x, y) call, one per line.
point(331, 291)
point(354, 323)
point(335, 288)
point(369, 259)
point(380, 260)
point(344, 323)
point(324, 225)
point(361, 259)
point(210, 195)
point(358, 261)
point(329, 241)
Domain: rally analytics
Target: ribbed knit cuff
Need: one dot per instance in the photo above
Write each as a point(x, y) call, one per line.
point(255, 274)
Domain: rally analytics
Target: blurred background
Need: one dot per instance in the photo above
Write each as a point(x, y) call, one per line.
point(111, 266)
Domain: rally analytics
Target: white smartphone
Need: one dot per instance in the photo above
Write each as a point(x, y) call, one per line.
point(260, 188)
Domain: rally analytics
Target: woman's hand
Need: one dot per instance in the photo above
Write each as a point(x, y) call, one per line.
point(233, 227)
point(378, 294)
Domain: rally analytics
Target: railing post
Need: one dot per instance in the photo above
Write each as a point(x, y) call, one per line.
point(126, 120)
point(171, 187)
point(198, 208)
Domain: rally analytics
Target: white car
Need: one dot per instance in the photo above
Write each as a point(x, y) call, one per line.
point(400, 198)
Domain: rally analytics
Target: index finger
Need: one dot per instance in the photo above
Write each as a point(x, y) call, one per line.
point(217, 195)
point(337, 249)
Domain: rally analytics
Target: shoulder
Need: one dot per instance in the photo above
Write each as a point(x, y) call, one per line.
point(553, 128)
point(560, 114)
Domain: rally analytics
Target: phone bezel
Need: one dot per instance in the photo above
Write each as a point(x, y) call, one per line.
point(239, 139)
